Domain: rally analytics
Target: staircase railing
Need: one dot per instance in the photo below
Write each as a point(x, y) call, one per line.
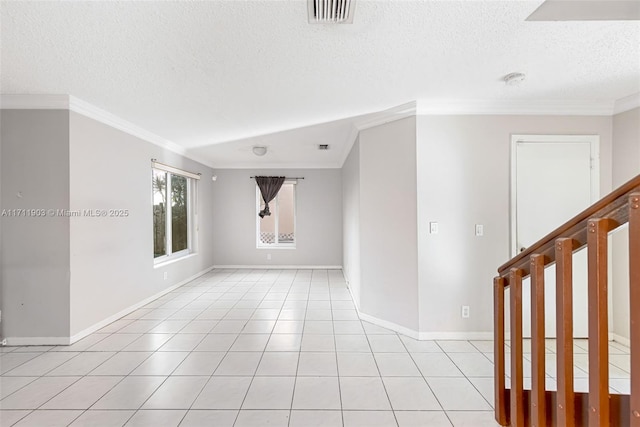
point(516, 406)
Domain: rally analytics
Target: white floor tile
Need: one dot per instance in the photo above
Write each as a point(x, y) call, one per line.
point(386, 344)
point(317, 393)
point(352, 343)
point(223, 393)
point(9, 418)
point(416, 346)
point(318, 342)
point(436, 365)
point(82, 364)
point(284, 342)
point(115, 342)
point(239, 363)
point(161, 363)
point(270, 393)
point(473, 364)
point(10, 385)
point(250, 342)
point(48, 419)
point(200, 363)
point(83, 393)
point(472, 418)
point(457, 394)
point(369, 419)
point(396, 365)
point(317, 364)
point(363, 394)
point(300, 418)
point(102, 418)
point(457, 346)
point(410, 394)
point(357, 365)
point(261, 418)
point(130, 393)
point(156, 418)
point(148, 342)
point(36, 393)
point(182, 342)
point(121, 364)
point(13, 360)
point(176, 393)
point(422, 419)
point(278, 363)
point(40, 365)
point(215, 418)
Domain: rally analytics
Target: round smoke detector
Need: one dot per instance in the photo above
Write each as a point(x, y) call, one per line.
point(513, 79)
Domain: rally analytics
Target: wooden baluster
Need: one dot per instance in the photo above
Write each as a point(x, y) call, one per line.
point(634, 309)
point(498, 351)
point(538, 414)
point(517, 385)
point(597, 234)
point(564, 332)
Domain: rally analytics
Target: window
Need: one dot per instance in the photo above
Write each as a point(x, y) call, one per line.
point(172, 220)
point(278, 229)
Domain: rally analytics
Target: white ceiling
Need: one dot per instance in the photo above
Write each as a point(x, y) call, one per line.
point(217, 77)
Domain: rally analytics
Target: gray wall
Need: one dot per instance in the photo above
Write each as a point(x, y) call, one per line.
point(35, 250)
point(112, 258)
point(463, 179)
point(351, 220)
point(626, 165)
point(388, 223)
point(318, 219)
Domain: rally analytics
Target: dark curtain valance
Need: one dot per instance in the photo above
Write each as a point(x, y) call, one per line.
point(269, 187)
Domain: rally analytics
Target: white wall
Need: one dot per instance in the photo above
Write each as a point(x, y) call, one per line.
point(318, 219)
point(626, 165)
point(112, 258)
point(388, 223)
point(463, 180)
point(35, 250)
point(351, 221)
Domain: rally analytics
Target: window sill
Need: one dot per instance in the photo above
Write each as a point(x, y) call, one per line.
point(276, 247)
point(172, 260)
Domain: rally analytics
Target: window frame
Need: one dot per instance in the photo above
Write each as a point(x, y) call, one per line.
point(275, 210)
point(171, 256)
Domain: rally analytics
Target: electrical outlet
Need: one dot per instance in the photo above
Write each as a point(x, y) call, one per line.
point(479, 230)
point(433, 228)
point(166, 275)
point(3, 342)
point(465, 312)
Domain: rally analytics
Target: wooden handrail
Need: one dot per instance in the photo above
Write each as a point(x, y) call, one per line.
point(612, 207)
point(516, 406)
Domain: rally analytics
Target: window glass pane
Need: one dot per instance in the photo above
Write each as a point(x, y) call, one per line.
point(179, 226)
point(286, 223)
point(159, 213)
point(268, 223)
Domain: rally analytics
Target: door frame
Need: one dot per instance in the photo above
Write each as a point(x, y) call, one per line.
point(593, 140)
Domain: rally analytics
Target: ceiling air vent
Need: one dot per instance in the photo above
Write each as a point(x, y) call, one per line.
point(331, 11)
point(323, 147)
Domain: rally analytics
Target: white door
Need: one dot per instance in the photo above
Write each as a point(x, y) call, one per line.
point(556, 178)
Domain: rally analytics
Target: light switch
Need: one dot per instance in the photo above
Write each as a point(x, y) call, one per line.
point(479, 230)
point(433, 228)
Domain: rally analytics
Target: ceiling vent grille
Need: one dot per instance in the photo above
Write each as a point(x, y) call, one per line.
point(331, 11)
point(323, 146)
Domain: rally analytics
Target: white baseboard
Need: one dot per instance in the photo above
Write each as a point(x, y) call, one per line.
point(20, 341)
point(389, 325)
point(621, 339)
point(101, 324)
point(278, 267)
point(459, 336)
point(423, 336)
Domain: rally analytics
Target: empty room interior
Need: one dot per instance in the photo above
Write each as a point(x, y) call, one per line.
point(319, 213)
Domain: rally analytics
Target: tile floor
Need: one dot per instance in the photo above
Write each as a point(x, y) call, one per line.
point(254, 348)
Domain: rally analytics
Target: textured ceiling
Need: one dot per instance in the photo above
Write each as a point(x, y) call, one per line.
point(211, 72)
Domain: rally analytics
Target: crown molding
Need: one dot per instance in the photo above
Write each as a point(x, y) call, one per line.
point(392, 114)
point(71, 103)
point(550, 107)
point(249, 165)
point(627, 103)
